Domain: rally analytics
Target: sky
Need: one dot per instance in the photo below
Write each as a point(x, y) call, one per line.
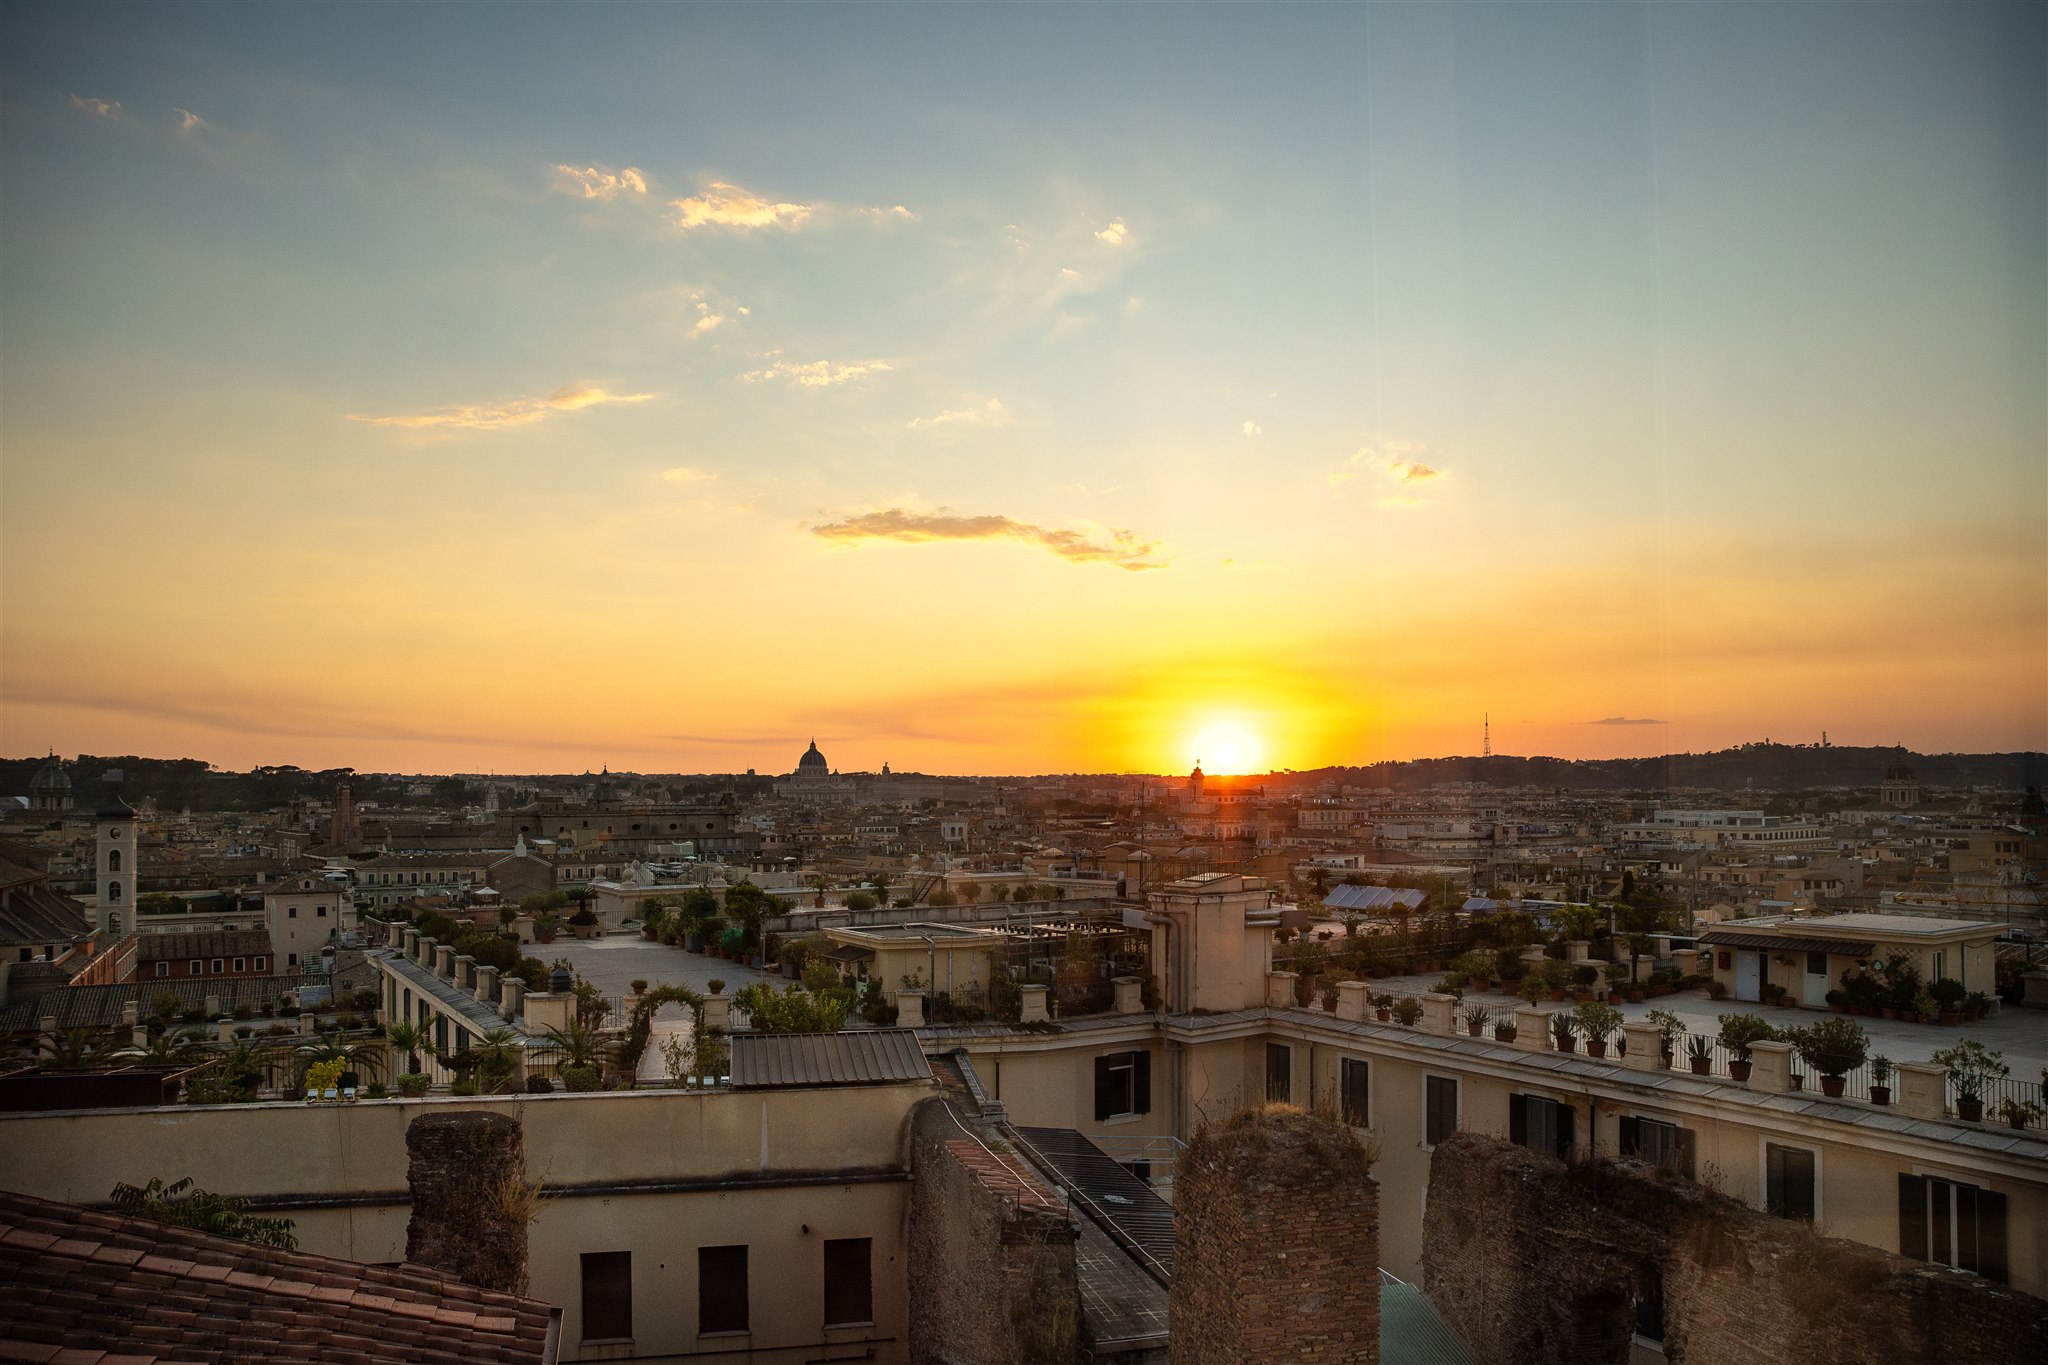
point(1020, 388)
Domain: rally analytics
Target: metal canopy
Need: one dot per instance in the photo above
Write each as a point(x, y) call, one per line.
point(772, 1061)
point(1785, 943)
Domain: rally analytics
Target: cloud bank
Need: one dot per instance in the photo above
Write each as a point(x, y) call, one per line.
point(598, 182)
point(723, 205)
point(1402, 476)
point(817, 374)
point(1120, 548)
point(1627, 720)
point(516, 412)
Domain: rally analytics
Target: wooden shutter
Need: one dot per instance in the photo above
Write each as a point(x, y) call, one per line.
point(1518, 1120)
point(1105, 1094)
point(1991, 1236)
point(1141, 1082)
point(1688, 1152)
point(1631, 1136)
point(1913, 1216)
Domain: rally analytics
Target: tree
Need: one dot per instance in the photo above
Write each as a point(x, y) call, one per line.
point(361, 1056)
point(859, 900)
point(747, 905)
point(881, 881)
point(181, 1206)
point(794, 1009)
point(407, 1037)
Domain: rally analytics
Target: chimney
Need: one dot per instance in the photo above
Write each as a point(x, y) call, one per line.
point(470, 1199)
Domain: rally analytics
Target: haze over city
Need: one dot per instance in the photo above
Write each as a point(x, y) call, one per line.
point(1019, 389)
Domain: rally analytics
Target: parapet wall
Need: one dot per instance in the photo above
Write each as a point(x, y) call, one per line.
point(1535, 1262)
point(992, 1274)
point(1276, 1244)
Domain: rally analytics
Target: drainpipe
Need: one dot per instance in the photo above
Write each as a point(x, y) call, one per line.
point(1172, 1003)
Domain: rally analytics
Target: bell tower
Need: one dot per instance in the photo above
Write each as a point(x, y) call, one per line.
point(113, 906)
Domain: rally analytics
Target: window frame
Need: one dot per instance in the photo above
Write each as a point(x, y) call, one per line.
point(1431, 1088)
point(1764, 1179)
point(1282, 1074)
point(1989, 1256)
point(865, 1295)
point(597, 1263)
point(707, 1325)
point(1526, 1122)
point(1123, 1078)
point(1678, 1152)
point(1360, 1114)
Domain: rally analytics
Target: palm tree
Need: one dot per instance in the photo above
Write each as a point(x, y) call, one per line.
point(77, 1049)
point(881, 881)
point(498, 1050)
point(362, 1056)
point(580, 1044)
point(407, 1037)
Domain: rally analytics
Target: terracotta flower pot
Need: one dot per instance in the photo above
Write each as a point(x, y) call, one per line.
point(1969, 1108)
point(1738, 1071)
point(1880, 1094)
point(1831, 1086)
point(1702, 1066)
point(1596, 1047)
point(1473, 1029)
point(1567, 1045)
point(1383, 1015)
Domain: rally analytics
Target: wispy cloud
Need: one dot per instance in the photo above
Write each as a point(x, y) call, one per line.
point(723, 205)
point(106, 109)
point(189, 122)
point(1394, 466)
point(894, 213)
point(1254, 429)
point(516, 412)
point(817, 374)
point(989, 414)
point(1121, 548)
point(600, 182)
point(1627, 720)
point(1116, 234)
point(685, 474)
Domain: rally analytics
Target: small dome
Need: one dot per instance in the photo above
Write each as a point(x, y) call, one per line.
point(51, 777)
point(812, 763)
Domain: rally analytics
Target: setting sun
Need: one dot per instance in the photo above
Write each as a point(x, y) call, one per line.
point(1228, 747)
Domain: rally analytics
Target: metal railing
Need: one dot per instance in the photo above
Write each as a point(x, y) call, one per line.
point(1998, 1092)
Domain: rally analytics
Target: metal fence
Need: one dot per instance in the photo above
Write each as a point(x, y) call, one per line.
point(2025, 1099)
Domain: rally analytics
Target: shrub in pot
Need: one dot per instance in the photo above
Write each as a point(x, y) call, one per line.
point(579, 1078)
point(1564, 1029)
point(1595, 1021)
point(1738, 1033)
point(1880, 1079)
point(1834, 1047)
point(2018, 1112)
point(1407, 1010)
point(1699, 1051)
point(539, 1085)
point(1505, 1029)
point(1971, 1066)
point(1476, 1017)
point(412, 1085)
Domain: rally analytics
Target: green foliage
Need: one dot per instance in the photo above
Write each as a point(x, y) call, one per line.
point(820, 976)
point(578, 1078)
point(179, 1205)
point(1740, 1031)
point(860, 900)
point(1596, 1020)
point(1970, 1065)
point(1407, 1010)
point(1669, 1026)
point(794, 1009)
point(1835, 1046)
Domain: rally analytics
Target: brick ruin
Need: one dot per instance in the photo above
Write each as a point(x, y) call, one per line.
point(1532, 1261)
point(992, 1274)
point(1276, 1244)
point(470, 1199)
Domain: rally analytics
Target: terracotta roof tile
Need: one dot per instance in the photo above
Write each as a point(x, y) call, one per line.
point(107, 1289)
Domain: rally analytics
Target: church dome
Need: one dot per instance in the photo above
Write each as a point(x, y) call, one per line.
point(51, 777)
point(812, 764)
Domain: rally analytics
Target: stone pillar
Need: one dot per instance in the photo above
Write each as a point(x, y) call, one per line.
point(444, 960)
point(307, 1018)
point(408, 942)
point(1686, 960)
point(1033, 1009)
point(1645, 964)
point(1354, 1001)
point(1923, 1090)
point(511, 997)
point(1532, 1029)
point(470, 1199)
point(212, 1006)
point(47, 1026)
point(1276, 1245)
point(1130, 995)
point(1645, 1044)
point(717, 1013)
point(1534, 957)
point(465, 972)
point(910, 1008)
point(1770, 1068)
point(1439, 1014)
point(1280, 989)
point(1577, 950)
point(224, 1031)
point(139, 1036)
point(487, 985)
point(131, 1013)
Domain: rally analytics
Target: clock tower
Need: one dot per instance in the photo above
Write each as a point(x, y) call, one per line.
point(113, 906)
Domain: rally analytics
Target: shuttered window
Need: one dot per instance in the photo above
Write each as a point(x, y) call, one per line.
point(1953, 1224)
point(1354, 1088)
point(607, 1295)
point(1659, 1143)
point(1541, 1124)
point(1279, 1073)
point(849, 1282)
point(1123, 1084)
point(1789, 1184)
point(1440, 1109)
point(721, 1289)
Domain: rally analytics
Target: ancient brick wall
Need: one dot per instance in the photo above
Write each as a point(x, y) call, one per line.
point(470, 1200)
point(1535, 1262)
point(991, 1268)
point(1276, 1244)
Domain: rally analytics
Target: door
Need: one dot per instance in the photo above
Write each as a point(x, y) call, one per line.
point(1749, 976)
point(1815, 993)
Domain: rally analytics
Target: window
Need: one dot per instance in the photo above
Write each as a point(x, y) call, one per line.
point(1354, 1091)
point(241, 964)
point(607, 1295)
point(260, 963)
point(1789, 1181)
point(1279, 1073)
point(291, 912)
point(162, 968)
point(849, 1285)
point(291, 959)
point(1659, 1143)
point(721, 1289)
point(1649, 1328)
point(113, 891)
point(1952, 1224)
point(321, 913)
point(1541, 1124)
point(114, 860)
point(1440, 1109)
point(218, 966)
point(194, 967)
point(440, 1030)
point(1816, 964)
point(1123, 1084)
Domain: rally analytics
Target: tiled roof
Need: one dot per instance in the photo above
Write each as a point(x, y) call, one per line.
point(100, 1006)
point(203, 943)
point(763, 1061)
point(34, 915)
point(82, 1282)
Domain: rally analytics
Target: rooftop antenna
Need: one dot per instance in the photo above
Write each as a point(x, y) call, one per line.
point(1486, 736)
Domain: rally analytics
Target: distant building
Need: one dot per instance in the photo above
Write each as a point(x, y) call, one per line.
point(189, 957)
point(50, 789)
point(1900, 789)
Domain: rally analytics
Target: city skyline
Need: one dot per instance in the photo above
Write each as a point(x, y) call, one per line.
point(1020, 390)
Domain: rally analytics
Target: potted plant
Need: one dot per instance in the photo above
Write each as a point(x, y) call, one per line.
point(1583, 978)
point(1738, 1032)
point(1596, 1020)
point(412, 1085)
point(1328, 996)
point(1669, 1026)
point(1970, 1065)
point(1407, 1010)
point(1532, 987)
point(1564, 1029)
point(1699, 1051)
point(1976, 1005)
point(1925, 1007)
point(639, 985)
point(2018, 1112)
point(1880, 1079)
point(1948, 994)
point(1382, 1006)
point(1834, 1047)
point(544, 928)
point(714, 985)
point(1505, 1030)
point(1475, 1018)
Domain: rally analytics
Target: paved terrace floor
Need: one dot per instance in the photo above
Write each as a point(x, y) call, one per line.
point(615, 961)
point(2021, 1034)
